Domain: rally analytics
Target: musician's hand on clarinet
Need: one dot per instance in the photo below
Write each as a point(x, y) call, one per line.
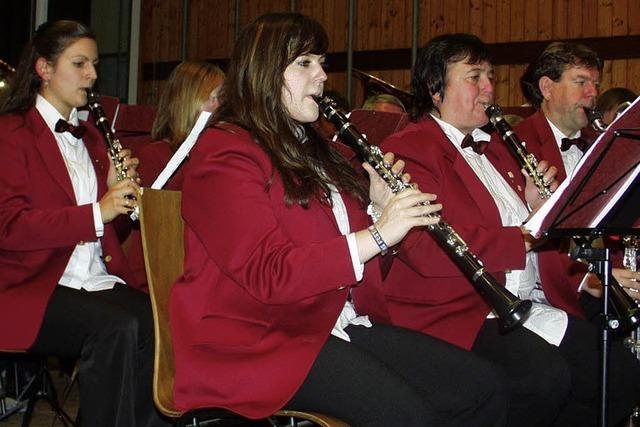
point(531, 192)
point(404, 211)
point(629, 280)
point(129, 162)
point(379, 191)
point(119, 199)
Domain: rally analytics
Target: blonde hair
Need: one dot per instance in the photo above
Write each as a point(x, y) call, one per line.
point(187, 88)
point(386, 98)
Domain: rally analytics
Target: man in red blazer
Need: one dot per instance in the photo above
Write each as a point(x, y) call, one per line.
point(426, 291)
point(63, 273)
point(560, 83)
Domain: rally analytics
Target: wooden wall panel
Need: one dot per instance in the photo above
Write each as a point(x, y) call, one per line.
point(211, 29)
point(489, 27)
point(333, 15)
point(161, 30)
point(251, 9)
point(387, 24)
point(589, 18)
point(160, 40)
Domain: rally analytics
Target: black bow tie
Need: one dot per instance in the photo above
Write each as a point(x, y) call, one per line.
point(477, 146)
point(64, 126)
point(568, 142)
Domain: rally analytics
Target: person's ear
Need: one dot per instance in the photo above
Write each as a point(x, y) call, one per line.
point(437, 99)
point(43, 69)
point(545, 85)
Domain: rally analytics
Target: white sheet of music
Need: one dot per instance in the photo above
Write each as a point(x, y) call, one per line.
point(534, 225)
point(182, 151)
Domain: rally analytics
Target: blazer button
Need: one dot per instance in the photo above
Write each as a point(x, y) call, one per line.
point(108, 258)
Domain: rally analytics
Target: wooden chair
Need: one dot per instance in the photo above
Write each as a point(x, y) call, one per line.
point(162, 228)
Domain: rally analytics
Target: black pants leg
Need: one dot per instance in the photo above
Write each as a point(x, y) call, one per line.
point(111, 332)
point(581, 347)
point(537, 375)
point(389, 376)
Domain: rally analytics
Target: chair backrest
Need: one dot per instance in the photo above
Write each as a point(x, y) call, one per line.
point(162, 228)
point(133, 125)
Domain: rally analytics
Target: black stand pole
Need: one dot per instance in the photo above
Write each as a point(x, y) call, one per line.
point(600, 264)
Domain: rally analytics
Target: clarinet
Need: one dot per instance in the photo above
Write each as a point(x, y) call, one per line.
point(595, 119)
point(114, 147)
point(631, 260)
point(511, 310)
point(518, 148)
point(626, 307)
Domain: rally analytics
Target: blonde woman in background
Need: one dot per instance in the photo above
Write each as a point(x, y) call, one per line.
point(191, 88)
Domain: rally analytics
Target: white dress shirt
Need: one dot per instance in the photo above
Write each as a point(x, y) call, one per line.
point(348, 316)
point(85, 269)
point(572, 156)
point(544, 320)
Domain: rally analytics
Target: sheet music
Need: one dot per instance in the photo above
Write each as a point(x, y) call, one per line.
point(538, 222)
point(182, 151)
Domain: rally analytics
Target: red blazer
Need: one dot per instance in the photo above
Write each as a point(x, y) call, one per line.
point(153, 157)
point(424, 289)
point(536, 132)
point(264, 282)
point(560, 289)
point(40, 223)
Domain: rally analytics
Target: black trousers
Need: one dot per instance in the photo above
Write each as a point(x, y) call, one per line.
point(111, 333)
point(538, 376)
point(388, 376)
point(581, 348)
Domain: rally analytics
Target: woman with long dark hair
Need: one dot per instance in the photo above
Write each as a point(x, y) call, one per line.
point(276, 237)
point(63, 285)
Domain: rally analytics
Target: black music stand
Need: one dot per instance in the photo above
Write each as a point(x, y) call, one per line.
point(584, 205)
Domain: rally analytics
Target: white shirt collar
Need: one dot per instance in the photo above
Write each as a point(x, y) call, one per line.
point(557, 133)
point(456, 136)
point(51, 115)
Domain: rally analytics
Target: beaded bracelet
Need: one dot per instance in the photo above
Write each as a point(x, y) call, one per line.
point(378, 239)
point(373, 213)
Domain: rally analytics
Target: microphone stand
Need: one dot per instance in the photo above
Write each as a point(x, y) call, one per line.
point(600, 263)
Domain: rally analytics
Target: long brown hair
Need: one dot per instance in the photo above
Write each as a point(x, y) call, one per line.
point(251, 98)
point(49, 41)
point(187, 88)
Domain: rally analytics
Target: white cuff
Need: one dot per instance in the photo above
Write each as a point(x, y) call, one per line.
point(97, 220)
point(358, 268)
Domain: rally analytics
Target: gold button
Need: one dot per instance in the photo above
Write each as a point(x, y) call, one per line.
point(108, 258)
point(519, 188)
point(510, 174)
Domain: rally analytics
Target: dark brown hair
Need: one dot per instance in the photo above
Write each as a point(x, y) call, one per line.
point(49, 41)
point(251, 97)
point(552, 62)
point(430, 71)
